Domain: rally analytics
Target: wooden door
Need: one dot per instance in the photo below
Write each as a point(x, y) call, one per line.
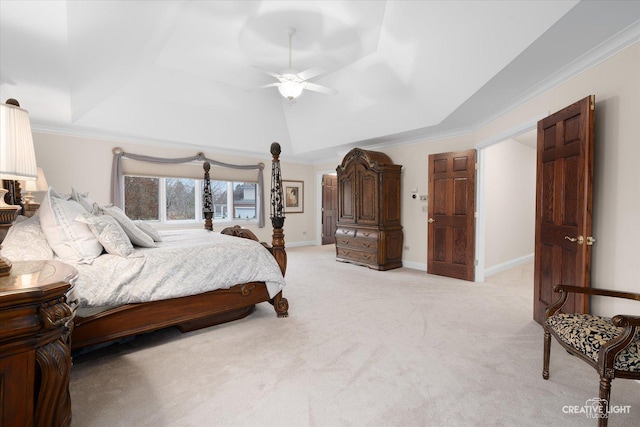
point(563, 205)
point(329, 208)
point(451, 228)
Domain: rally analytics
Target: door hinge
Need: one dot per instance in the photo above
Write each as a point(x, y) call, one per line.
point(322, 209)
point(477, 166)
point(475, 263)
point(593, 102)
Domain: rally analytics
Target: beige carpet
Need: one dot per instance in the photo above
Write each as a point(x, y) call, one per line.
point(360, 348)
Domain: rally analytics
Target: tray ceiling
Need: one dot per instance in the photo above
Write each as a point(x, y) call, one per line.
point(182, 72)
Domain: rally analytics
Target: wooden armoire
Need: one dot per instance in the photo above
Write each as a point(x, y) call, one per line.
point(368, 230)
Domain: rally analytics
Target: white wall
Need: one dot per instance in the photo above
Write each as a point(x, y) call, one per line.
point(509, 203)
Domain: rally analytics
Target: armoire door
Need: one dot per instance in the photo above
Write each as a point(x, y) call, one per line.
point(563, 206)
point(346, 194)
point(367, 196)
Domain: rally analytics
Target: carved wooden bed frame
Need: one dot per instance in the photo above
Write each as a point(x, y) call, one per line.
point(191, 312)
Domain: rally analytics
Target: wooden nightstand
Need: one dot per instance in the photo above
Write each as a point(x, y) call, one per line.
point(35, 357)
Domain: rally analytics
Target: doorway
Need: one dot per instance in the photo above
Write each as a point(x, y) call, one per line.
point(510, 202)
point(490, 258)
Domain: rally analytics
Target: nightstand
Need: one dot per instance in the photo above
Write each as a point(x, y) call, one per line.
point(35, 356)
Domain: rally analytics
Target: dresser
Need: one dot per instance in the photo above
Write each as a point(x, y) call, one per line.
point(368, 230)
point(35, 357)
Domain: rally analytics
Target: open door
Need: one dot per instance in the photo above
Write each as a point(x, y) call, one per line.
point(563, 206)
point(451, 228)
point(329, 208)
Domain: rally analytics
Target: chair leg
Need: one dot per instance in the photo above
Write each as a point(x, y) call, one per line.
point(547, 352)
point(605, 394)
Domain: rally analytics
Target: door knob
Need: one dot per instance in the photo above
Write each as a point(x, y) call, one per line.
point(579, 239)
point(431, 220)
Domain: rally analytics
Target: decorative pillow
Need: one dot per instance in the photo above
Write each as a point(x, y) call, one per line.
point(70, 240)
point(149, 230)
point(25, 241)
point(84, 200)
point(109, 233)
point(137, 236)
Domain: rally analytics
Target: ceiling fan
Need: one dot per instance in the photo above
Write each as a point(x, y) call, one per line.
point(291, 83)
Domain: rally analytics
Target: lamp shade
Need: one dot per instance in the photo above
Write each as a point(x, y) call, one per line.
point(17, 155)
point(39, 184)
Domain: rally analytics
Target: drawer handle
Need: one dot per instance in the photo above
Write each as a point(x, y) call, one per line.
point(346, 242)
point(366, 245)
point(345, 231)
point(366, 234)
point(346, 252)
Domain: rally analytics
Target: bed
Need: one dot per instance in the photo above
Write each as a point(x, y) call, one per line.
point(195, 279)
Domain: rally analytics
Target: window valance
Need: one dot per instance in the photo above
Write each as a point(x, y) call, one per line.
point(117, 179)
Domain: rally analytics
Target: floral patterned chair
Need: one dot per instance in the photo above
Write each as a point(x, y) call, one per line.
point(610, 345)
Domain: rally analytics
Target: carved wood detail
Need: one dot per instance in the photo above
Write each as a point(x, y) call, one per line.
point(35, 359)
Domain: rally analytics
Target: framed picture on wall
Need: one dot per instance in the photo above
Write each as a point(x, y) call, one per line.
point(293, 196)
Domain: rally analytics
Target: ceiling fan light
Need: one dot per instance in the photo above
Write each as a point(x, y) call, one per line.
point(290, 89)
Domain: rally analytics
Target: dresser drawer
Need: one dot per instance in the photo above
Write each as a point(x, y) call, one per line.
point(367, 234)
point(345, 232)
point(363, 244)
point(357, 256)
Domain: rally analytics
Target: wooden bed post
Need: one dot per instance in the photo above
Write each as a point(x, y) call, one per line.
point(207, 201)
point(277, 209)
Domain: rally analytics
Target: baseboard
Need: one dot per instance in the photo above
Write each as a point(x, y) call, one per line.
point(509, 264)
point(414, 265)
point(303, 243)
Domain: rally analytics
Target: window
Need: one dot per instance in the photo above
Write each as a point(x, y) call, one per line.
point(145, 193)
point(180, 195)
point(179, 200)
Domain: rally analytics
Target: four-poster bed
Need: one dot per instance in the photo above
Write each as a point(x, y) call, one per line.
point(201, 310)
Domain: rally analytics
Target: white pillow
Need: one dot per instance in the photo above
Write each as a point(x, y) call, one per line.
point(25, 241)
point(137, 236)
point(70, 240)
point(84, 200)
point(109, 233)
point(149, 230)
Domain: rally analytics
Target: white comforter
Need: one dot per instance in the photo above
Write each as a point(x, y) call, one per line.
point(186, 262)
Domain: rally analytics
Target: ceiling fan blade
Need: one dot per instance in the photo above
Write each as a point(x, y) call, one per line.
point(322, 89)
point(268, 85)
point(265, 86)
point(276, 75)
point(311, 73)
